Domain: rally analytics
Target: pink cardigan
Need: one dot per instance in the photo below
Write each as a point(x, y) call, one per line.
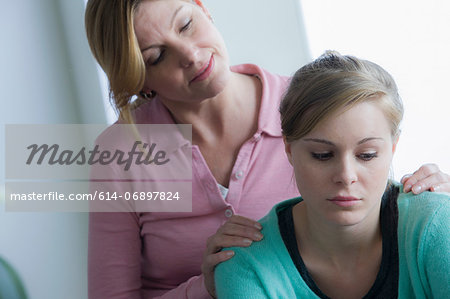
point(146, 255)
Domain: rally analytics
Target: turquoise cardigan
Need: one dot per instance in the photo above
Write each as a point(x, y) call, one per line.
point(265, 269)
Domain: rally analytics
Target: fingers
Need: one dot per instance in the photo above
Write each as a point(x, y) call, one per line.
point(427, 177)
point(405, 177)
point(244, 221)
point(238, 231)
point(209, 263)
point(442, 187)
point(211, 260)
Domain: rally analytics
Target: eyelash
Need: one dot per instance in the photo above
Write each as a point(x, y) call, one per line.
point(322, 156)
point(161, 55)
point(186, 26)
point(327, 156)
point(159, 59)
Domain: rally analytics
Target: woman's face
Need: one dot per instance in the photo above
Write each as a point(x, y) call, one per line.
point(185, 56)
point(342, 166)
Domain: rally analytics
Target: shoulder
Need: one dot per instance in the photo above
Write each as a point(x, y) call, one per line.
point(258, 250)
point(278, 82)
point(271, 248)
point(424, 206)
point(263, 270)
point(423, 241)
point(424, 220)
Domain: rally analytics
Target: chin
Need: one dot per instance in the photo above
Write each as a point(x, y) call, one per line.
point(347, 218)
point(219, 84)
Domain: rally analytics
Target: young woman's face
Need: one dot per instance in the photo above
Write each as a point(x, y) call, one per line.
point(185, 56)
point(342, 166)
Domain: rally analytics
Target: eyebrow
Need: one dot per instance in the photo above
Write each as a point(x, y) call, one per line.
point(318, 140)
point(172, 20)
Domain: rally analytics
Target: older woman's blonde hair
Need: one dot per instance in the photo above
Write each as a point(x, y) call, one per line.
point(332, 82)
point(111, 36)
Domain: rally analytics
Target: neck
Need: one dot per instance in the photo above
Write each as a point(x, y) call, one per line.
point(344, 246)
point(214, 116)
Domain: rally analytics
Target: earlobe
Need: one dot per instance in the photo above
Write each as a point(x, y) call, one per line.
point(287, 149)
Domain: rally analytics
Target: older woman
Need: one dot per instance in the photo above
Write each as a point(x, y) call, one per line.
point(170, 55)
point(353, 233)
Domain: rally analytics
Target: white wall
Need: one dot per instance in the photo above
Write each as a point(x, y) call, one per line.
point(47, 75)
point(411, 40)
point(265, 32)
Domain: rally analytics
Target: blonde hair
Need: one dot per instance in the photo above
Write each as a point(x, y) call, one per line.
point(111, 36)
point(332, 82)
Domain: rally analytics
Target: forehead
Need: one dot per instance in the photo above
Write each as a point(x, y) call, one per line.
point(154, 17)
point(362, 120)
point(154, 8)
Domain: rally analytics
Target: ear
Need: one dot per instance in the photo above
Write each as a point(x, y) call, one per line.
point(200, 4)
point(287, 149)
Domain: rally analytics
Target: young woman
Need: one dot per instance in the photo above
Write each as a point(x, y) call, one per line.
point(170, 55)
point(353, 233)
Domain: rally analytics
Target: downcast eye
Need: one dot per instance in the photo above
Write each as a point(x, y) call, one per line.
point(367, 156)
point(322, 156)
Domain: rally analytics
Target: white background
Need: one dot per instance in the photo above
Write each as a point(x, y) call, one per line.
point(411, 40)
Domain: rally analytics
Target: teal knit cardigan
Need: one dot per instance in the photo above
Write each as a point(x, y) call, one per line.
point(265, 269)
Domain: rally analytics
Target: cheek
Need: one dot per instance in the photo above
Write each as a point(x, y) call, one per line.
point(377, 176)
point(309, 178)
point(161, 79)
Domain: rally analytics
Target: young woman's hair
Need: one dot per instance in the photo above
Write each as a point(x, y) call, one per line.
point(332, 82)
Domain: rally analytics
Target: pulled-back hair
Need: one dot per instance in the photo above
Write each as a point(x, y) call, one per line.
point(334, 81)
point(111, 36)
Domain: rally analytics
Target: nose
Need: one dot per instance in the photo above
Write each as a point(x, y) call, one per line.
point(188, 54)
point(346, 172)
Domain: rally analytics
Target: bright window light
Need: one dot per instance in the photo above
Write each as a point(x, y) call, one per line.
point(411, 40)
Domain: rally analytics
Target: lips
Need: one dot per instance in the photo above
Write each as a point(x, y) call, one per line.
point(205, 71)
point(345, 201)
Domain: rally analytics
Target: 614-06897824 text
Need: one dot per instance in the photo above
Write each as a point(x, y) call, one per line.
point(138, 195)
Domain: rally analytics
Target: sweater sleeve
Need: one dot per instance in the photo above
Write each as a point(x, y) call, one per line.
point(236, 279)
point(436, 252)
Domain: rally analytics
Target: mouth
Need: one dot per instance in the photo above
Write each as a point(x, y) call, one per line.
point(345, 201)
point(205, 71)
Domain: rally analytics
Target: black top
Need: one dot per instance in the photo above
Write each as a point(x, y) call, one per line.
point(386, 283)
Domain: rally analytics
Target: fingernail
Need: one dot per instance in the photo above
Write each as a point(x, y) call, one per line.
point(230, 253)
point(416, 189)
point(435, 188)
point(258, 236)
point(407, 188)
point(258, 226)
point(247, 241)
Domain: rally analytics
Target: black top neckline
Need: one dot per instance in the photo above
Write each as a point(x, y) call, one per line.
point(386, 282)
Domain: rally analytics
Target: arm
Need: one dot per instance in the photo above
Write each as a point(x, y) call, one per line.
point(114, 256)
point(427, 177)
point(436, 256)
point(114, 249)
point(191, 289)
